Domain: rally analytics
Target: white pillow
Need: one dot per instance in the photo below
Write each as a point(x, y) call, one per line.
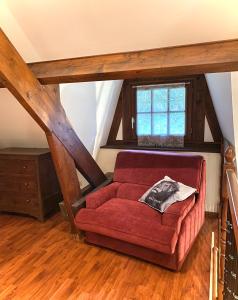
point(183, 193)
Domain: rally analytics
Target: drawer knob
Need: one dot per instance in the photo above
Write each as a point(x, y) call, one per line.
point(24, 167)
point(28, 200)
point(26, 184)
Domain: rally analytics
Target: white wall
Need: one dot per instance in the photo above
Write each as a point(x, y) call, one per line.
point(17, 128)
point(107, 94)
point(90, 107)
point(17, 36)
point(219, 85)
point(107, 157)
point(79, 102)
point(207, 132)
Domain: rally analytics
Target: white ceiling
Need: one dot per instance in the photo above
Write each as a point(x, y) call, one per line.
point(71, 28)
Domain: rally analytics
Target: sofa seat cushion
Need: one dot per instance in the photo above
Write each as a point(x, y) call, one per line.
point(130, 221)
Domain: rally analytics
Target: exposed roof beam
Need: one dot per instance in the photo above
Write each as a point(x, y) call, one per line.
point(42, 105)
point(202, 58)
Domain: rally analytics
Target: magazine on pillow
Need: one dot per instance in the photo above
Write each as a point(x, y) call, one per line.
point(166, 192)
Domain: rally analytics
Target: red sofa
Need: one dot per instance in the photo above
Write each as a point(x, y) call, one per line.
point(113, 217)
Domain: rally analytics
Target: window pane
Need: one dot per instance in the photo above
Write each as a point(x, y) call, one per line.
point(177, 99)
point(159, 123)
point(143, 98)
point(160, 100)
point(177, 123)
point(143, 124)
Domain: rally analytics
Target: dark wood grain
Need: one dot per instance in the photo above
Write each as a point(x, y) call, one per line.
point(64, 165)
point(116, 121)
point(41, 105)
point(41, 261)
point(67, 176)
point(198, 104)
point(28, 182)
point(198, 110)
point(128, 112)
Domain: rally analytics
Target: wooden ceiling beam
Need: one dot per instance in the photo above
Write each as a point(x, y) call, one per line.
point(46, 111)
point(220, 56)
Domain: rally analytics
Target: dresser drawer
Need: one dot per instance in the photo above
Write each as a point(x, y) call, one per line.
point(17, 166)
point(28, 183)
point(17, 203)
point(17, 184)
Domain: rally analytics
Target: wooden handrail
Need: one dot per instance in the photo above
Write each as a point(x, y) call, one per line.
point(227, 165)
point(228, 214)
point(232, 189)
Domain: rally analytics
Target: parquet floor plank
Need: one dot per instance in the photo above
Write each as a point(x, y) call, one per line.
point(43, 261)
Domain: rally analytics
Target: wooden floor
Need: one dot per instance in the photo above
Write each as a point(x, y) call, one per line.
point(43, 261)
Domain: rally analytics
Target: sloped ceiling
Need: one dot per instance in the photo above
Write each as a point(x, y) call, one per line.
point(219, 85)
point(72, 28)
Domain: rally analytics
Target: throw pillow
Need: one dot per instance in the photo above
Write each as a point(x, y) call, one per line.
point(166, 192)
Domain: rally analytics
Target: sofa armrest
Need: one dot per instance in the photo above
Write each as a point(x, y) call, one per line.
point(81, 202)
point(96, 199)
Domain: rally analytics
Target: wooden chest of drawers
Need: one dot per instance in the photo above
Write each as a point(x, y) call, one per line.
point(28, 182)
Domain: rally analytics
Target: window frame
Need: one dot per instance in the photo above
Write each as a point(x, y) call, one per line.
point(199, 106)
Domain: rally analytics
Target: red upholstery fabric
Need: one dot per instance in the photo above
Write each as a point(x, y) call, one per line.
point(194, 220)
point(166, 260)
point(134, 222)
point(131, 191)
point(112, 218)
point(97, 198)
point(174, 215)
point(131, 222)
point(148, 167)
point(169, 261)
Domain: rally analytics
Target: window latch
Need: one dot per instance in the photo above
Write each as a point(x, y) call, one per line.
point(132, 122)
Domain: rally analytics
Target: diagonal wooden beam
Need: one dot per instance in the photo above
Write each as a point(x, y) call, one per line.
point(67, 176)
point(64, 165)
point(49, 114)
point(201, 58)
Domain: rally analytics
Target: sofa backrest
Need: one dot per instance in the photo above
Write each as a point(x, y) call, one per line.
point(147, 167)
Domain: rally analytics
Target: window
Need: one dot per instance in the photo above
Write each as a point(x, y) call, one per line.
point(165, 113)
point(161, 110)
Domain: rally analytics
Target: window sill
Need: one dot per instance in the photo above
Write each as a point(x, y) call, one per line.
point(199, 147)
